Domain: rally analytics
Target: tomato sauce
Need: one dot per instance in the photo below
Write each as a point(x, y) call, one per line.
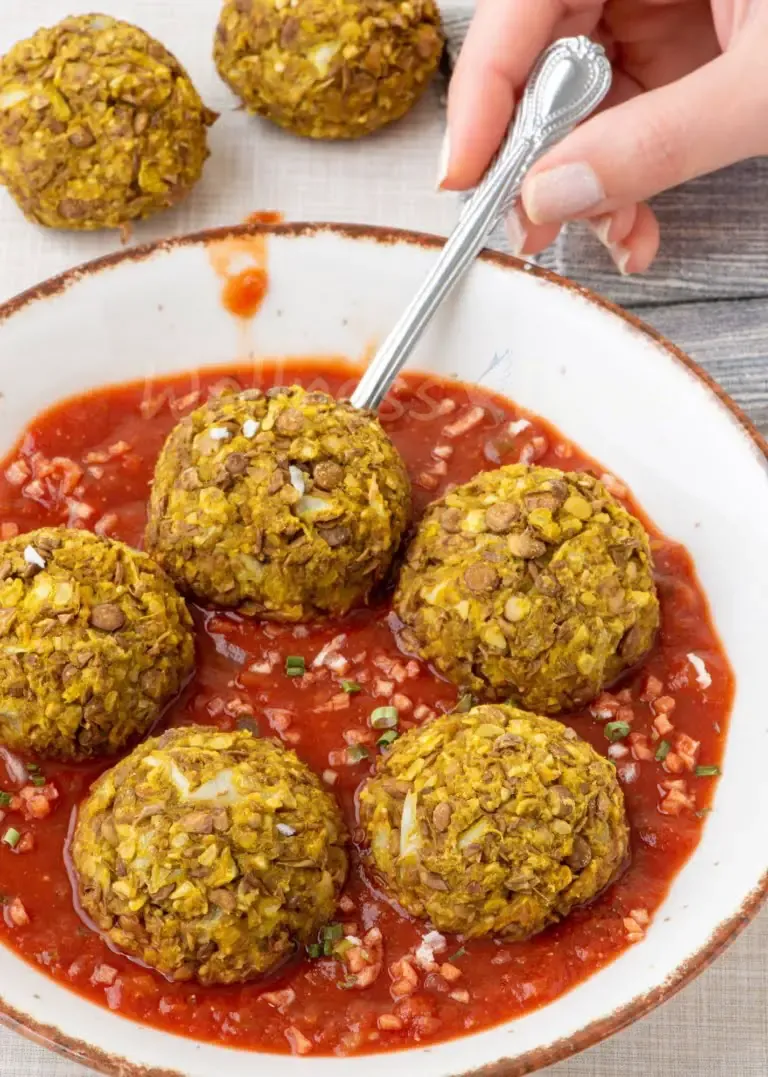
point(88, 463)
point(244, 293)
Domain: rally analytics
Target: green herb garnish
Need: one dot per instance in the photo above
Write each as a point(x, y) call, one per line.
point(464, 703)
point(5, 799)
point(459, 953)
point(357, 752)
point(387, 738)
point(38, 780)
point(294, 665)
point(616, 730)
point(707, 772)
point(350, 687)
point(663, 750)
point(329, 936)
point(12, 837)
point(384, 718)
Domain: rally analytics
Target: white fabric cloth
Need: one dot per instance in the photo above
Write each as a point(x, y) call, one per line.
point(718, 1027)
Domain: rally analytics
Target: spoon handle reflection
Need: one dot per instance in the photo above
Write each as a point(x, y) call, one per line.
point(567, 84)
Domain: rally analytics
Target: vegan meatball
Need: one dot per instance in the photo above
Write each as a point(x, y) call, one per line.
point(99, 125)
point(95, 642)
point(329, 68)
point(287, 505)
point(494, 822)
point(529, 585)
point(209, 855)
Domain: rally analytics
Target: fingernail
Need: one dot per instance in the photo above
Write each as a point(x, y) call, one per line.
point(516, 234)
point(621, 257)
point(601, 226)
point(562, 193)
point(445, 156)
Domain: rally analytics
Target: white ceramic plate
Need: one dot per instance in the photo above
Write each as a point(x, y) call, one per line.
point(610, 385)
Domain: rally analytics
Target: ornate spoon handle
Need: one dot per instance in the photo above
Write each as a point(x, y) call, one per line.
point(569, 81)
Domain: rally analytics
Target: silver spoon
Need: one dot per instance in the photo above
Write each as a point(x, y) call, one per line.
point(569, 81)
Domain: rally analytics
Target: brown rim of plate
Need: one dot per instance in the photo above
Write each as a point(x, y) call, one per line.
point(79, 1051)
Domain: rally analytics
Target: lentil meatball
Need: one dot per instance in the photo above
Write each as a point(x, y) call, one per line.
point(329, 68)
point(494, 822)
point(94, 642)
point(529, 585)
point(99, 125)
point(209, 855)
point(288, 505)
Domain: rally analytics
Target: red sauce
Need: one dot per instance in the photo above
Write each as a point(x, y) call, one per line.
point(112, 438)
point(244, 293)
point(264, 216)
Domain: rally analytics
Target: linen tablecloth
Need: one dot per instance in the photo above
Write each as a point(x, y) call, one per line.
point(708, 292)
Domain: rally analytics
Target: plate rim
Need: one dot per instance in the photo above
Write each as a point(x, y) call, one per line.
point(724, 934)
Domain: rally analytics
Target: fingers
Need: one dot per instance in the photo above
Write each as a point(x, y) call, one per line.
point(657, 140)
point(502, 44)
point(631, 236)
point(524, 237)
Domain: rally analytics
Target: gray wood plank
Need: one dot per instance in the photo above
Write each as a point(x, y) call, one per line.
point(730, 340)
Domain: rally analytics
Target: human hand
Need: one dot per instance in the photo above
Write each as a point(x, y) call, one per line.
point(690, 95)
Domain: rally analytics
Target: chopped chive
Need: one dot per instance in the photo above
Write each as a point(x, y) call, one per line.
point(663, 750)
point(707, 772)
point(12, 837)
point(357, 752)
point(465, 702)
point(384, 718)
point(5, 799)
point(616, 730)
point(387, 738)
point(314, 950)
point(32, 767)
point(329, 936)
point(459, 953)
point(294, 665)
point(38, 780)
point(342, 947)
point(350, 687)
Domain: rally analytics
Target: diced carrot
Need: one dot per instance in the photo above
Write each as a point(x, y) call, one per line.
point(673, 764)
point(662, 725)
point(653, 689)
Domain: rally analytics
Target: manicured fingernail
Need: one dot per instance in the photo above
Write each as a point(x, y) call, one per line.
point(516, 234)
point(621, 257)
point(601, 226)
point(562, 193)
point(445, 156)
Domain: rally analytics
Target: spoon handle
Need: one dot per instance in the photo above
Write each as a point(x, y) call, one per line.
point(569, 81)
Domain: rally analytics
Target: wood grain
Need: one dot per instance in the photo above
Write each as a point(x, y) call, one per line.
point(730, 340)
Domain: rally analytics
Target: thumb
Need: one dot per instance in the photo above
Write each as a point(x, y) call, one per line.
point(659, 139)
